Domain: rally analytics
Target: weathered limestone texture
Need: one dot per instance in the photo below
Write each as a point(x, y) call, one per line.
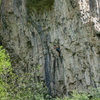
point(67, 49)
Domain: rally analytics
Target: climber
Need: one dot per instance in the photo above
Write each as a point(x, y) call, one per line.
point(57, 49)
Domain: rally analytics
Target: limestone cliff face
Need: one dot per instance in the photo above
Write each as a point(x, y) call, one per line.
point(66, 48)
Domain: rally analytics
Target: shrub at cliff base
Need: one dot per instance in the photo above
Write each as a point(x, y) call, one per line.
point(19, 85)
point(5, 68)
point(39, 5)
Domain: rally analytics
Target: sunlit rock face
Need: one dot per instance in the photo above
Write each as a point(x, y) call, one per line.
point(90, 11)
point(63, 41)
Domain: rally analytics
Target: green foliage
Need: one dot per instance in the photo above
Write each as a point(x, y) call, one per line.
point(19, 86)
point(5, 65)
point(39, 5)
point(28, 89)
point(5, 68)
point(3, 92)
point(94, 95)
point(26, 86)
point(81, 96)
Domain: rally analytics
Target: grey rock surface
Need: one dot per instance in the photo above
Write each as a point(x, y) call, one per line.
point(67, 50)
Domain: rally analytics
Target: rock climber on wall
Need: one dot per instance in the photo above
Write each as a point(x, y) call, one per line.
point(57, 49)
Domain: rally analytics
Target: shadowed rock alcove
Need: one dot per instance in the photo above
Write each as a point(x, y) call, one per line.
point(39, 5)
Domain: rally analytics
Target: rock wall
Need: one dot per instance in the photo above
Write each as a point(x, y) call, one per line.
point(67, 50)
